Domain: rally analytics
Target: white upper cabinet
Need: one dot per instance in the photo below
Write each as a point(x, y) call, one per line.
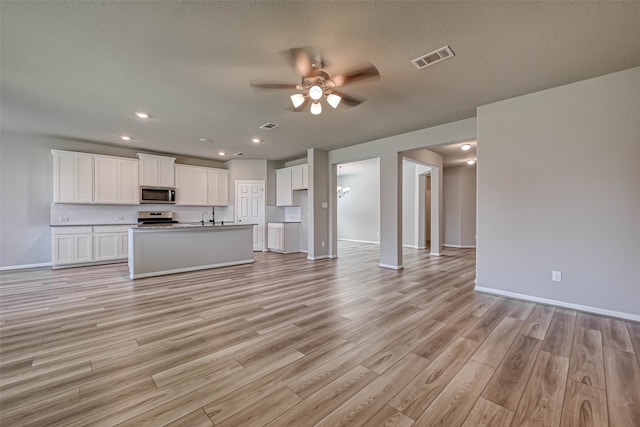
point(157, 171)
point(191, 185)
point(115, 180)
point(299, 177)
point(200, 186)
point(287, 181)
point(217, 187)
point(284, 191)
point(305, 176)
point(72, 177)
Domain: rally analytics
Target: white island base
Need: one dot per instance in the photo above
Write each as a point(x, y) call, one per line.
point(154, 251)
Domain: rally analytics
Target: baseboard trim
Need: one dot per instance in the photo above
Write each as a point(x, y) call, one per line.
point(25, 266)
point(458, 246)
point(391, 267)
point(434, 254)
point(316, 258)
point(359, 241)
point(579, 307)
point(187, 269)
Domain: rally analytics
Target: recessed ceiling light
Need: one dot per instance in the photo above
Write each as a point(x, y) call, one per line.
point(465, 147)
point(205, 140)
point(471, 162)
point(126, 138)
point(255, 140)
point(141, 115)
point(222, 153)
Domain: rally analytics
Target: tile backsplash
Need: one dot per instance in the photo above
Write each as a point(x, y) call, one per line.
point(67, 214)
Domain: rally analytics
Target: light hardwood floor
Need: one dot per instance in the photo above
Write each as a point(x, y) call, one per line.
point(291, 342)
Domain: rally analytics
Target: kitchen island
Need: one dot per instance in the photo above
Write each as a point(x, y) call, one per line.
point(162, 249)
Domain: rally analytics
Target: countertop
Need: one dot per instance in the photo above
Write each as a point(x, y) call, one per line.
point(93, 225)
point(191, 226)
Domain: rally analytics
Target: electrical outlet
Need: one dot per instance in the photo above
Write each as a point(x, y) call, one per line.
point(556, 276)
point(323, 243)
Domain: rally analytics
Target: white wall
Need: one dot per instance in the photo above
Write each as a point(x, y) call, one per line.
point(359, 211)
point(26, 192)
point(459, 197)
point(249, 170)
point(558, 189)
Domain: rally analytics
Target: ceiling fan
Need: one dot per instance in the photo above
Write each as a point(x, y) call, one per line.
point(317, 84)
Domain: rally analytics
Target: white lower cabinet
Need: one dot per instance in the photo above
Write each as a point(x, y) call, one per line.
point(72, 245)
point(110, 243)
point(86, 245)
point(283, 237)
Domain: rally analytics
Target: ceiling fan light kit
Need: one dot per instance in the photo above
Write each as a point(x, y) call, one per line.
point(297, 99)
point(316, 108)
point(333, 100)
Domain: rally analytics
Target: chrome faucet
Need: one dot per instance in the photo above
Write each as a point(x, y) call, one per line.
point(202, 216)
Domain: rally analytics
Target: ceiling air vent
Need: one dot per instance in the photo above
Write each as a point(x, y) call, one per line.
point(433, 57)
point(269, 126)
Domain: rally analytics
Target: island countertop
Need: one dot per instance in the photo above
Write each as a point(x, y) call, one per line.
point(191, 226)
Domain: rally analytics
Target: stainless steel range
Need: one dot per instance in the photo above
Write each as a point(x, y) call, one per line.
point(155, 218)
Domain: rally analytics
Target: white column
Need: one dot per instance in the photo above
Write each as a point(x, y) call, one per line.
point(391, 210)
point(318, 188)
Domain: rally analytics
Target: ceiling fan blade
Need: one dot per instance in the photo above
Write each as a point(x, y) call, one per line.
point(275, 86)
point(361, 74)
point(348, 99)
point(302, 61)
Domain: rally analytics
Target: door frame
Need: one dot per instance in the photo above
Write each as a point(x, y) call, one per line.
point(236, 208)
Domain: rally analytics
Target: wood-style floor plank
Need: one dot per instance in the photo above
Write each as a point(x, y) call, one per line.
point(389, 417)
point(323, 402)
point(587, 359)
point(363, 405)
point(584, 406)
point(559, 335)
point(616, 335)
point(486, 413)
point(538, 322)
point(452, 406)
point(498, 342)
point(513, 373)
point(622, 372)
point(541, 403)
point(290, 342)
point(413, 399)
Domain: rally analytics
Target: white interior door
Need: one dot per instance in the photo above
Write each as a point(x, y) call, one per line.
point(250, 209)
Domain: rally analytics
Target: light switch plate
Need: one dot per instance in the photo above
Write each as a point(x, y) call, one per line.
point(556, 276)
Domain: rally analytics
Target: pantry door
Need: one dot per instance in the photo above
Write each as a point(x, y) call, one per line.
point(250, 209)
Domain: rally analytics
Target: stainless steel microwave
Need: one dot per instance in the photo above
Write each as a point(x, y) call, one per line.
point(157, 195)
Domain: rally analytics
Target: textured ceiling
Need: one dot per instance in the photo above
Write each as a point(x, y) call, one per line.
point(452, 155)
point(79, 69)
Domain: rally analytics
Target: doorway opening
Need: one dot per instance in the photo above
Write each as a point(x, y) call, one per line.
point(358, 201)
